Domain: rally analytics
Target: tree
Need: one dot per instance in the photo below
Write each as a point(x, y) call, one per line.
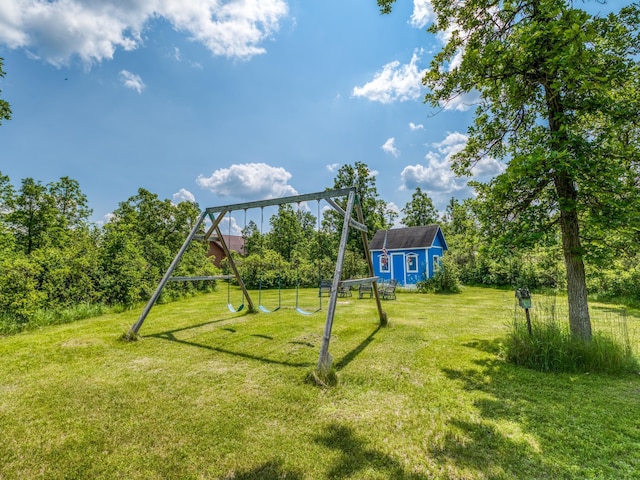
point(419, 211)
point(72, 205)
point(7, 241)
point(32, 214)
point(140, 241)
point(374, 209)
point(5, 110)
point(559, 101)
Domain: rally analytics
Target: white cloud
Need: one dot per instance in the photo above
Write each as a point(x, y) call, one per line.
point(390, 147)
point(422, 13)
point(394, 83)
point(229, 226)
point(183, 195)
point(249, 181)
point(452, 144)
point(333, 167)
point(132, 81)
point(94, 30)
point(106, 218)
point(413, 127)
point(435, 174)
point(487, 168)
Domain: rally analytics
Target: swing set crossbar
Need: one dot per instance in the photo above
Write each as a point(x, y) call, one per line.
point(327, 194)
point(198, 278)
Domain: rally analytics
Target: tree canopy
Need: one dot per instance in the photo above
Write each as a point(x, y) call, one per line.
point(558, 100)
point(420, 210)
point(5, 109)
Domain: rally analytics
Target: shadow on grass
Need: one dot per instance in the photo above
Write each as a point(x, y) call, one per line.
point(536, 425)
point(356, 459)
point(269, 470)
point(343, 362)
point(170, 335)
point(349, 357)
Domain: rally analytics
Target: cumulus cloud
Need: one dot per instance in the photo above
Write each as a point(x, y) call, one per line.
point(422, 13)
point(56, 31)
point(395, 82)
point(183, 195)
point(333, 167)
point(390, 147)
point(435, 175)
point(132, 81)
point(249, 181)
point(413, 127)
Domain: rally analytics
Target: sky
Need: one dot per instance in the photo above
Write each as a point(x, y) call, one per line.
point(222, 102)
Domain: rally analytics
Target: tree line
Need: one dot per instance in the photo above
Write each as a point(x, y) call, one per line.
point(556, 98)
point(54, 258)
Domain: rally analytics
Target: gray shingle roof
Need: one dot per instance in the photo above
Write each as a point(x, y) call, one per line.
point(409, 237)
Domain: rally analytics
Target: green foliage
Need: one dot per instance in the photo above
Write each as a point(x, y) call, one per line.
point(374, 209)
point(419, 211)
point(5, 109)
point(444, 280)
point(20, 297)
point(122, 270)
point(558, 94)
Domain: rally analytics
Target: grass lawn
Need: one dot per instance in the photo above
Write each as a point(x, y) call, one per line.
point(211, 394)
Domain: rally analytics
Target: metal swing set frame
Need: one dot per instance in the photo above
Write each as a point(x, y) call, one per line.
point(216, 214)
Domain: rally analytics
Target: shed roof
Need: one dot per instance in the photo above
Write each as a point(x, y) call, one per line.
point(409, 237)
point(235, 243)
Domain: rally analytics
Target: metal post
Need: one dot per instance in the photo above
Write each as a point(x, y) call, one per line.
point(232, 264)
point(325, 360)
point(382, 315)
point(136, 326)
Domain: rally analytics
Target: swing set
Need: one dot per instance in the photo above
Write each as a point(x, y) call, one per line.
point(217, 214)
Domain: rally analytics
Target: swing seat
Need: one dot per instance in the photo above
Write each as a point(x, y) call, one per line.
point(232, 309)
point(304, 312)
point(266, 310)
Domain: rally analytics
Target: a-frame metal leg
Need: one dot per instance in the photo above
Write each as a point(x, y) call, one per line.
point(325, 360)
point(133, 331)
point(232, 264)
point(382, 315)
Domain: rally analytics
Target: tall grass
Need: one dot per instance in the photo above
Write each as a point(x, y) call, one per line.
point(551, 348)
point(42, 318)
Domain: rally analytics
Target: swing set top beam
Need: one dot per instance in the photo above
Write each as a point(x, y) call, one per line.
point(341, 192)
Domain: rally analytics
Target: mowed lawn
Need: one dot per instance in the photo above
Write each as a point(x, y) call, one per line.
point(207, 393)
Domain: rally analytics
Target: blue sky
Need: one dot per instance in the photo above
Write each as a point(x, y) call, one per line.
point(224, 102)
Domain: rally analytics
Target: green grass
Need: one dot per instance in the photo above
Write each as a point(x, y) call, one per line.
point(210, 394)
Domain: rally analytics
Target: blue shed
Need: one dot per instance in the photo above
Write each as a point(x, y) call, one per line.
point(412, 253)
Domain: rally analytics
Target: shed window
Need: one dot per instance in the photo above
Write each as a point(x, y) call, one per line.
point(384, 262)
point(412, 263)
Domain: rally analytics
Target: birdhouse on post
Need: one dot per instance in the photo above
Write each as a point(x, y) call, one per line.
point(524, 299)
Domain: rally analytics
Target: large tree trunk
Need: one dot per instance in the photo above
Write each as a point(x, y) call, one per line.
point(579, 319)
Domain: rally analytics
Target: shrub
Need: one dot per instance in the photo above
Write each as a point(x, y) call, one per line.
point(444, 280)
